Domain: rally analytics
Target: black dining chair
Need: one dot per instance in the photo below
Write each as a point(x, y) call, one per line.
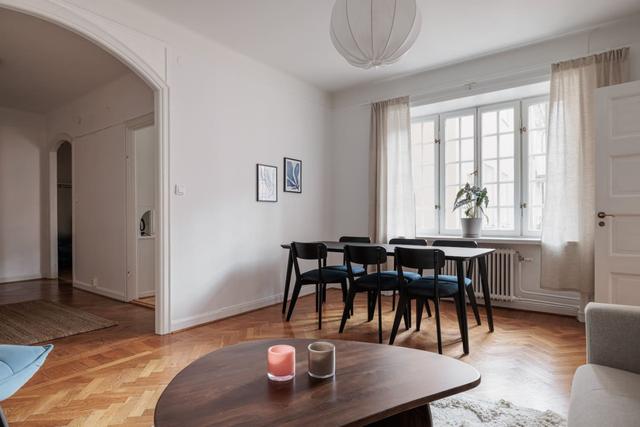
point(358, 270)
point(452, 278)
point(432, 288)
point(373, 283)
point(408, 274)
point(320, 276)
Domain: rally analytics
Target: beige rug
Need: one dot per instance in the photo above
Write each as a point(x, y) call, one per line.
point(38, 321)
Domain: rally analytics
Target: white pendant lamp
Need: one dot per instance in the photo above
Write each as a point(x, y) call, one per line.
point(369, 33)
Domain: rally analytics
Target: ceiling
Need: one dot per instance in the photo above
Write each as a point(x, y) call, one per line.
point(43, 65)
point(293, 35)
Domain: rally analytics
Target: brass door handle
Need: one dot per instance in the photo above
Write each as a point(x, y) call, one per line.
point(603, 215)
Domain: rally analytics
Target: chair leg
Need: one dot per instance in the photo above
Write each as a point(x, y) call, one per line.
point(436, 303)
point(317, 301)
point(393, 301)
point(400, 310)
point(294, 299)
point(343, 286)
point(324, 293)
point(426, 304)
point(321, 288)
point(379, 317)
point(347, 307)
point(419, 307)
point(371, 305)
point(407, 317)
point(474, 304)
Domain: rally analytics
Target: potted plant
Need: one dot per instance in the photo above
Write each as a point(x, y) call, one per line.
point(473, 199)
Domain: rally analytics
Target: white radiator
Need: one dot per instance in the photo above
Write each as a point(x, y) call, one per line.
point(501, 271)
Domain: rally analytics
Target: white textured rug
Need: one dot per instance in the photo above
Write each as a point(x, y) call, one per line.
point(465, 412)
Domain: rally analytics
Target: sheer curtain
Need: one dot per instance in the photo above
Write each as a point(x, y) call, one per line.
point(569, 212)
point(392, 209)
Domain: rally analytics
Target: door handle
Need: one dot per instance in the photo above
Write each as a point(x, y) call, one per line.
point(603, 215)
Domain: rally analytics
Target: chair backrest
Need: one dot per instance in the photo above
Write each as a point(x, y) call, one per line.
point(354, 239)
point(403, 241)
point(309, 251)
point(420, 259)
point(458, 244)
point(365, 255)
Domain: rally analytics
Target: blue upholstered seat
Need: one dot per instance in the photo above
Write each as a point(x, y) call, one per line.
point(408, 275)
point(370, 281)
point(426, 287)
point(448, 278)
point(18, 363)
point(328, 275)
point(357, 270)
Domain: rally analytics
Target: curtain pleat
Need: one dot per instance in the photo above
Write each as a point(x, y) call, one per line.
point(392, 208)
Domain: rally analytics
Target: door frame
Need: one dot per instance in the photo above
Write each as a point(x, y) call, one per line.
point(131, 290)
point(94, 28)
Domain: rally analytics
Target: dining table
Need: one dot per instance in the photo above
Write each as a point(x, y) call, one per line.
point(459, 255)
point(374, 385)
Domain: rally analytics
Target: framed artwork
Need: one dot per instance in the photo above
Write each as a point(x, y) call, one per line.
point(292, 175)
point(266, 183)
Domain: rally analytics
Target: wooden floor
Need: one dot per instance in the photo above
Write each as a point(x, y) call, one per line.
point(114, 376)
point(149, 302)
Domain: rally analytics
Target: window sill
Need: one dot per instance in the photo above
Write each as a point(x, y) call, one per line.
point(516, 240)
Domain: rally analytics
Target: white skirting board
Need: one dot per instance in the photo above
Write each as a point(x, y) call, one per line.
point(99, 290)
point(219, 314)
point(21, 278)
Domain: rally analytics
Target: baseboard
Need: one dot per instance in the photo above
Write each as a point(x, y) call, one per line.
point(222, 313)
point(146, 294)
point(99, 290)
point(21, 278)
point(538, 306)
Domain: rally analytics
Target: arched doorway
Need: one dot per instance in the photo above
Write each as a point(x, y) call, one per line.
point(99, 34)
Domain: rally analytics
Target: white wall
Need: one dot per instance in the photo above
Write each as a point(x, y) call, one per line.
point(96, 122)
point(227, 112)
point(351, 121)
point(22, 136)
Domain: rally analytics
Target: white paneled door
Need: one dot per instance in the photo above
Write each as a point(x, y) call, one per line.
point(617, 216)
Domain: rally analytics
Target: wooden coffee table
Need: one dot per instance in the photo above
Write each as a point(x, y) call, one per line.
point(374, 384)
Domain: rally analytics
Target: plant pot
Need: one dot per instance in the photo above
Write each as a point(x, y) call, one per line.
point(471, 227)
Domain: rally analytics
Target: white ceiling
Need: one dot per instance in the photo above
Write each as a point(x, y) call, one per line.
point(293, 35)
point(43, 65)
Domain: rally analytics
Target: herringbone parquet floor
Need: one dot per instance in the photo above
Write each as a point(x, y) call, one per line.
point(115, 376)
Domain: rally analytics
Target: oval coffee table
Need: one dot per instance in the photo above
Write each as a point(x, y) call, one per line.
point(374, 384)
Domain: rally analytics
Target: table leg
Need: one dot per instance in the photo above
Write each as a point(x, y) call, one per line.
point(462, 301)
point(416, 417)
point(486, 292)
point(286, 282)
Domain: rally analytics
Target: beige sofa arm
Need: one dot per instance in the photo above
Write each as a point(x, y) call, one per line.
point(613, 336)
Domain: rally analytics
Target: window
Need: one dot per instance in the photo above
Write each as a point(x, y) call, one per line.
point(499, 139)
point(501, 147)
point(425, 169)
point(535, 114)
point(458, 161)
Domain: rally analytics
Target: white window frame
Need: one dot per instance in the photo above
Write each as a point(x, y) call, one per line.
point(436, 167)
point(442, 186)
point(517, 159)
point(526, 102)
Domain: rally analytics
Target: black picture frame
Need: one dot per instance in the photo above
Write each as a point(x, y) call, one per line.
point(297, 184)
point(260, 181)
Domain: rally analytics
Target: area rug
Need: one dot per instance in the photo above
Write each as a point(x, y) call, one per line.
point(465, 412)
point(38, 321)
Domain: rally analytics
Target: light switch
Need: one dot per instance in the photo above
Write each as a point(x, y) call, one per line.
point(180, 190)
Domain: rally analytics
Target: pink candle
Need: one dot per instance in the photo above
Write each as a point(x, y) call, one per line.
point(281, 362)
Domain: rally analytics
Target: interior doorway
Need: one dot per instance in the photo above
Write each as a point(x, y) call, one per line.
point(65, 211)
